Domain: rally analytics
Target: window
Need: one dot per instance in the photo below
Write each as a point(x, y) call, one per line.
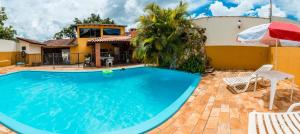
point(104, 52)
point(89, 32)
point(111, 31)
point(23, 48)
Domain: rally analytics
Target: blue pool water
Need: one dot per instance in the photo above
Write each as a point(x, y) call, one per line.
point(89, 102)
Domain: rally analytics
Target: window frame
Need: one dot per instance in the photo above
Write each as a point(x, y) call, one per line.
point(23, 48)
point(112, 29)
point(92, 33)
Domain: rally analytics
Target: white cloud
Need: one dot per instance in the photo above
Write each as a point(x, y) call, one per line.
point(219, 9)
point(201, 15)
point(264, 11)
point(194, 4)
point(246, 8)
point(290, 6)
point(260, 2)
point(40, 19)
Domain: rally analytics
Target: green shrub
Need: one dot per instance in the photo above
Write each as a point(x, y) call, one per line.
point(193, 64)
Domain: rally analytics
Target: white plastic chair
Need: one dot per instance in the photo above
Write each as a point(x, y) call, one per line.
point(241, 83)
point(272, 123)
point(109, 62)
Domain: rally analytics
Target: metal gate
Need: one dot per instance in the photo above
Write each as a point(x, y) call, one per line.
point(56, 59)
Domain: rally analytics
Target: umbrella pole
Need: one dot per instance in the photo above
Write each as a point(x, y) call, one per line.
point(276, 55)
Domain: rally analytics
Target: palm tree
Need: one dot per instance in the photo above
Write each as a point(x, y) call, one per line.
point(164, 35)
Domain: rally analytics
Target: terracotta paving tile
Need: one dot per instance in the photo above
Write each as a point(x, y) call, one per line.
point(199, 128)
point(215, 112)
point(210, 131)
point(193, 119)
point(184, 130)
point(4, 130)
point(225, 108)
point(235, 123)
point(234, 113)
point(168, 130)
point(212, 122)
point(236, 131)
point(218, 101)
point(180, 121)
point(223, 128)
point(224, 118)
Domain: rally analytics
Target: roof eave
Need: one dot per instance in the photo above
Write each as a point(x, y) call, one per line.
point(34, 43)
point(101, 25)
point(59, 46)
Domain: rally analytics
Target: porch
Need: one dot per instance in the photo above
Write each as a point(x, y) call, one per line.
point(111, 50)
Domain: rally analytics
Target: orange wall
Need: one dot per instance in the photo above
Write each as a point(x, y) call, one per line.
point(252, 57)
point(237, 57)
point(288, 60)
point(33, 59)
point(7, 58)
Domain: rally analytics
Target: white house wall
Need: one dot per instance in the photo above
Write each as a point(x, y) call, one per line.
point(8, 46)
point(30, 48)
point(222, 31)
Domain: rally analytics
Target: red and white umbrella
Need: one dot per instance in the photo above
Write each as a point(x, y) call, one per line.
point(273, 34)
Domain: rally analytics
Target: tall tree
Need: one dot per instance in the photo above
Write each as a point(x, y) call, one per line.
point(70, 31)
point(167, 37)
point(7, 33)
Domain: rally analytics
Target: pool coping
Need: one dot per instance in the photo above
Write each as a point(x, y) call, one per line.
point(76, 71)
point(143, 127)
point(163, 116)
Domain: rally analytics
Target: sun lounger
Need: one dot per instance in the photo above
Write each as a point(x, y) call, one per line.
point(272, 123)
point(241, 83)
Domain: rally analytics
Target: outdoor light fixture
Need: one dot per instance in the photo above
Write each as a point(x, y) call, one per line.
point(239, 23)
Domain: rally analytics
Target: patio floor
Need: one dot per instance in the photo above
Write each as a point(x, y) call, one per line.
point(213, 108)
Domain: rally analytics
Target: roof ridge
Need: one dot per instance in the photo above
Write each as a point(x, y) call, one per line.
point(60, 39)
point(31, 41)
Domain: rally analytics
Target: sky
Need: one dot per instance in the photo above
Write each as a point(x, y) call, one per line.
point(41, 19)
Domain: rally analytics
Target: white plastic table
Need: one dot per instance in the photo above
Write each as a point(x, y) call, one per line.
point(275, 77)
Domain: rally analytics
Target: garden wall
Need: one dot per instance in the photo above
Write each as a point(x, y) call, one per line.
point(252, 57)
point(7, 52)
point(238, 57)
point(288, 60)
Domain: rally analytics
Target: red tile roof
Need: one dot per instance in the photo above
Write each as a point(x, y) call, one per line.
point(110, 39)
point(31, 41)
point(61, 43)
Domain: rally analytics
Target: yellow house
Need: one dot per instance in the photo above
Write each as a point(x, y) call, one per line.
point(95, 45)
point(102, 42)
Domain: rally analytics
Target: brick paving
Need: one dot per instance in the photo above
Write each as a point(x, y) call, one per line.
point(212, 108)
point(215, 109)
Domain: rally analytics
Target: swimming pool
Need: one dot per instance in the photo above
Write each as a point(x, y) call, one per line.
point(132, 100)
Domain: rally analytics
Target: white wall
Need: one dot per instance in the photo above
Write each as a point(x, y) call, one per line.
point(223, 30)
point(8, 46)
point(30, 48)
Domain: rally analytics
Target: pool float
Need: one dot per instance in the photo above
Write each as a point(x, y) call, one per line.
point(108, 71)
